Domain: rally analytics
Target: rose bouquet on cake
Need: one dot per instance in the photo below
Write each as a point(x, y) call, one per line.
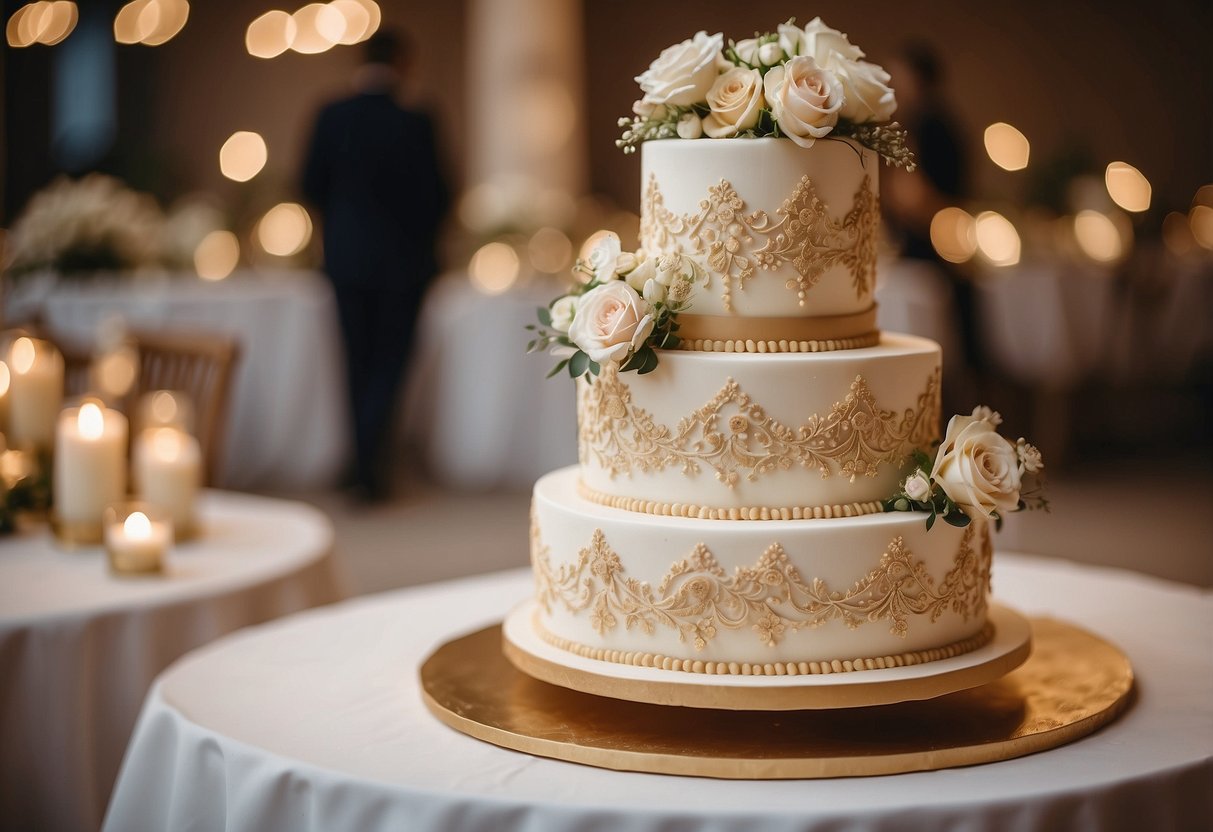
point(805, 84)
point(622, 309)
point(975, 472)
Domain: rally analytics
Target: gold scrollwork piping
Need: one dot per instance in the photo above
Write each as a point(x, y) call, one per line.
point(771, 598)
point(733, 435)
point(805, 236)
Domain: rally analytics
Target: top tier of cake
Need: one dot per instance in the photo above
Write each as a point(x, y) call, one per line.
point(788, 236)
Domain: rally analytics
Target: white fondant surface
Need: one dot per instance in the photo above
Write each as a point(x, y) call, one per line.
point(764, 173)
point(790, 388)
point(840, 552)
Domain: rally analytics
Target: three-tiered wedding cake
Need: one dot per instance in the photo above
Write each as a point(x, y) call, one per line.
point(728, 514)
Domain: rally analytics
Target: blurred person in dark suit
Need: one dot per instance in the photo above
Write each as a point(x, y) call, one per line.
point(912, 200)
point(372, 169)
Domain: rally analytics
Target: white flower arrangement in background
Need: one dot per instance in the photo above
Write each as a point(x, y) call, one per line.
point(803, 83)
point(622, 311)
point(975, 472)
point(83, 226)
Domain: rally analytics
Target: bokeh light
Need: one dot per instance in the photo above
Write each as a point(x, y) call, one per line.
point(115, 372)
point(997, 239)
point(217, 255)
point(150, 22)
point(43, 22)
point(285, 229)
point(242, 156)
point(1177, 234)
point(1200, 219)
point(270, 35)
point(550, 250)
point(494, 268)
point(5, 379)
point(954, 235)
point(1098, 236)
point(1203, 196)
point(1007, 147)
point(318, 27)
point(1127, 186)
point(356, 20)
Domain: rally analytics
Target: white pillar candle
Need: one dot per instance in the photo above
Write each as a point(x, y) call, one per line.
point(35, 392)
point(167, 473)
point(90, 463)
point(137, 542)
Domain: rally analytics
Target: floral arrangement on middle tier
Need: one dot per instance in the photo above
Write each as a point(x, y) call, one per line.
point(801, 83)
point(623, 309)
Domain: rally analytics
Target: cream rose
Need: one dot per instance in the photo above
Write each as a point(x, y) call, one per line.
point(976, 467)
point(562, 312)
point(917, 487)
point(735, 100)
point(683, 73)
point(804, 98)
point(611, 321)
point(645, 271)
point(690, 126)
point(747, 50)
point(790, 38)
point(819, 42)
point(603, 256)
point(866, 89)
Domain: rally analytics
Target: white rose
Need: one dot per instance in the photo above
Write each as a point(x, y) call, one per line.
point(690, 126)
point(917, 487)
point(611, 321)
point(645, 271)
point(976, 467)
point(790, 38)
point(625, 262)
point(770, 53)
point(866, 89)
point(747, 50)
point(683, 73)
point(736, 101)
point(603, 256)
point(563, 311)
point(804, 99)
point(819, 41)
point(654, 292)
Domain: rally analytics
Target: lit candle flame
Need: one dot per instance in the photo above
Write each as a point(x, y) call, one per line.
point(5, 379)
point(23, 355)
point(137, 526)
point(90, 421)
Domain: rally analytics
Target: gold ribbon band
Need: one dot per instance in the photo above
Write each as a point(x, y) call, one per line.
point(821, 328)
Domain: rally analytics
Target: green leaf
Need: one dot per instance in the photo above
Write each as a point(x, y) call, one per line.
point(558, 368)
point(648, 361)
point(958, 519)
point(595, 368)
point(901, 504)
point(545, 315)
point(578, 364)
point(931, 521)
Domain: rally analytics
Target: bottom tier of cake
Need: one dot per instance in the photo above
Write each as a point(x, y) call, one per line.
point(748, 597)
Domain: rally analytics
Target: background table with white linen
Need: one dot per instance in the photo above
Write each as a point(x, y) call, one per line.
point(79, 647)
point(288, 421)
point(316, 722)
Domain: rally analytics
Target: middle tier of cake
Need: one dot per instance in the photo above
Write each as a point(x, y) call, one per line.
point(746, 436)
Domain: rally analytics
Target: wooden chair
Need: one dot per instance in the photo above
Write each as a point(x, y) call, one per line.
point(202, 366)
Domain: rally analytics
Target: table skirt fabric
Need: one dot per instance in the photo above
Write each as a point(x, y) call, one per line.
point(317, 723)
point(79, 649)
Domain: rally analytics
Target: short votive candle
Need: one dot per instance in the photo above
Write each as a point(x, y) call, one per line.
point(137, 537)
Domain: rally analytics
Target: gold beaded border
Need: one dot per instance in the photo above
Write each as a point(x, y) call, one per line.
point(871, 339)
point(639, 658)
point(664, 509)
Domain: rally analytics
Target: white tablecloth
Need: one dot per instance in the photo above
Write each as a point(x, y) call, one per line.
point(79, 647)
point(287, 423)
point(317, 723)
point(479, 405)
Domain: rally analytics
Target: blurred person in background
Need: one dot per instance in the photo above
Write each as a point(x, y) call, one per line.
point(911, 200)
point(373, 172)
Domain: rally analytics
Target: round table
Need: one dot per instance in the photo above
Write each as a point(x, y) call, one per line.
point(79, 647)
point(316, 722)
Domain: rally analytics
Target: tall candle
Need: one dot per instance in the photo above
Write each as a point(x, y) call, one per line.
point(90, 463)
point(167, 473)
point(35, 392)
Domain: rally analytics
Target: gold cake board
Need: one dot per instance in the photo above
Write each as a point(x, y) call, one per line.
point(1073, 683)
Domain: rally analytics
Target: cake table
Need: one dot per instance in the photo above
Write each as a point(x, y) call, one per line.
point(317, 722)
point(79, 647)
